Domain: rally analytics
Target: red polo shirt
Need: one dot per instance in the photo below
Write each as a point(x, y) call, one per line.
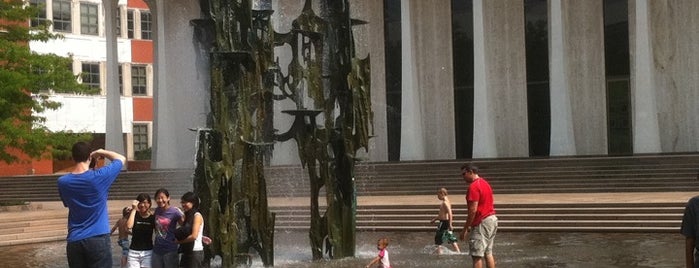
point(480, 191)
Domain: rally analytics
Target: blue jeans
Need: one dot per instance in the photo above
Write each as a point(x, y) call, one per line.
point(93, 252)
point(168, 260)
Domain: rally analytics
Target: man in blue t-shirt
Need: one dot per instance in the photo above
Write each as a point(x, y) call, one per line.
point(84, 192)
point(690, 230)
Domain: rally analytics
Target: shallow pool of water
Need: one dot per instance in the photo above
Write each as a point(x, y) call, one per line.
point(415, 250)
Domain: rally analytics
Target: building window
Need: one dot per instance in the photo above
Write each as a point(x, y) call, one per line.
point(129, 24)
point(91, 75)
point(140, 137)
point(618, 74)
point(462, 47)
point(138, 80)
point(61, 16)
point(118, 22)
point(392, 46)
point(40, 6)
point(121, 81)
point(146, 26)
point(538, 92)
point(88, 19)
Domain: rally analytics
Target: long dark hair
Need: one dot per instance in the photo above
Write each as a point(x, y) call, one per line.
point(194, 199)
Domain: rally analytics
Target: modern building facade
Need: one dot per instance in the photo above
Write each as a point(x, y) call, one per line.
point(459, 79)
point(82, 24)
point(451, 79)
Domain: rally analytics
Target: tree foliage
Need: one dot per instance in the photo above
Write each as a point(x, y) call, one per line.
point(26, 81)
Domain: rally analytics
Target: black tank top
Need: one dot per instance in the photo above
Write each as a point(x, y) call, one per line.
point(142, 233)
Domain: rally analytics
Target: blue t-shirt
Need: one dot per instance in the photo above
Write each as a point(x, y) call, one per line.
point(85, 196)
point(690, 220)
point(165, 224)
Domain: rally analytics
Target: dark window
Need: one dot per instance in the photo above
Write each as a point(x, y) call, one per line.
point(61, 16)
point(91, 75)
point(121, 80)
point(138, 80)
point(617, 68)
point(392, 45)
point(462, 45)
point(140, 137)
point(146, 26)
point(538, 95)
point(88, 19)
point(118, 22)
point(129, 24)
point(40, 6)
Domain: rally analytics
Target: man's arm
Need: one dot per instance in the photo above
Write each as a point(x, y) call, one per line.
point(689, 252)
point(111, 155)
point(472, 207)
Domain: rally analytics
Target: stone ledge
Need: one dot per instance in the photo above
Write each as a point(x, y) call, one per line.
point(17, 208)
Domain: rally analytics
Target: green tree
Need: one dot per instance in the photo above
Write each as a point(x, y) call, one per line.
point(27, 79)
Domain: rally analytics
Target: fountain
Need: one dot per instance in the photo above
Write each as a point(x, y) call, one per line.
point(245, 83)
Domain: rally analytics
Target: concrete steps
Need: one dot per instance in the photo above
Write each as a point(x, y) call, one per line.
point(127, 186)
point(41, 225)
point(611, 217)
point(645, 173)
point(49, 225)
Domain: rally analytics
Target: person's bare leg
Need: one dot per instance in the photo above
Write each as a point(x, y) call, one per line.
point(437, 250)
point(456, 247)
point(490, 261)
point(477, 262)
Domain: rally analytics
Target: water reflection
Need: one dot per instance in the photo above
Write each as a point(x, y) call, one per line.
point(414, 250)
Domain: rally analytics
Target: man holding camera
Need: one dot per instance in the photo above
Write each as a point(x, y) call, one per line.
point(84, 192)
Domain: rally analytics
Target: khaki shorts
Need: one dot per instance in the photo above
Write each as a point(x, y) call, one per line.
point(481, 237)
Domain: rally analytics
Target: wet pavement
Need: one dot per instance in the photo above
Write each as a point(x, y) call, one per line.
point(415, 249)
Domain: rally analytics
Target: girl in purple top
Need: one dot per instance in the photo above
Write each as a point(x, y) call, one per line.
point(166, 220)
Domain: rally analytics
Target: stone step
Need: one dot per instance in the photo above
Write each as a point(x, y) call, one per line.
point(390, 228)
point(659, 217)
point(32, 240)
point(23, 224)
point(127, 186)
point(20, 236)
point(630, 224)
point(433, 186)
point(49, 225)
point(532, 189)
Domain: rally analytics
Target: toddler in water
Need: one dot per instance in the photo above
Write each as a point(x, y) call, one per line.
point(382, 258)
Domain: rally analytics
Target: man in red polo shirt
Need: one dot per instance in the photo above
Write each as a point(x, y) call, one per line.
point(482, 224)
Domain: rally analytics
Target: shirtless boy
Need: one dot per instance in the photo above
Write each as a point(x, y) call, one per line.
point(445, 227)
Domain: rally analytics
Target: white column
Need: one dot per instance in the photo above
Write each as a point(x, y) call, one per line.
point(114, 133)
point(562, 134)
point(180, 85)
point(369, 42)
point(646, 132)
point(162, 126)
point(483, 130)
point(412, 140)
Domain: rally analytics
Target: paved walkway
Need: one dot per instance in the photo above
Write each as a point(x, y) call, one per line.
point(562, 198)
